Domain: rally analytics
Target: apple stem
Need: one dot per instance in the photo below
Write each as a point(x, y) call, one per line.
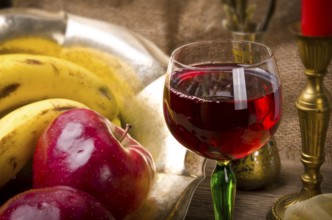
point(128, 127)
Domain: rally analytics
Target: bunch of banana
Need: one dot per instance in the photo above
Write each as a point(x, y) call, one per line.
point(39, 79)
point(117, 74)
point(34, 89)
point(28, 78)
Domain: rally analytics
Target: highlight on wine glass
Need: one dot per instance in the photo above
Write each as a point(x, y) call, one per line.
point(222, 100)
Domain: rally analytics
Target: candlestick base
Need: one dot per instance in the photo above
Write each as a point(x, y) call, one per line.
point(278, 209)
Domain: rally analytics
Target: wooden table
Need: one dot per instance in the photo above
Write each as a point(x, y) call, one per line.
point(254, 205)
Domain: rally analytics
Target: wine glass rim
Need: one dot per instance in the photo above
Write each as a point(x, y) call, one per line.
point(268, 49)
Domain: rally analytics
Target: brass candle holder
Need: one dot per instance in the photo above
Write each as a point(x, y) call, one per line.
point(314, 109)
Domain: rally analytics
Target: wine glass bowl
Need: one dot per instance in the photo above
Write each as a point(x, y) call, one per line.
point(222, 100)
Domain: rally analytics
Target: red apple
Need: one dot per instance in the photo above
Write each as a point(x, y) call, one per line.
point(84, 150)
point(54, 203)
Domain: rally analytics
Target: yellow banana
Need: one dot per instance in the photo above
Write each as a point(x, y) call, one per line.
point(29, 78)
point(31, 45)
point(20, 129)
point(120, 76)
point(117, 74)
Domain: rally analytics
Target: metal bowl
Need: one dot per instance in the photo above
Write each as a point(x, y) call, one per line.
point(178, 171)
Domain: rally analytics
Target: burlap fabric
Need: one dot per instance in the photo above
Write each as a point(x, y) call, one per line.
point(170, 23)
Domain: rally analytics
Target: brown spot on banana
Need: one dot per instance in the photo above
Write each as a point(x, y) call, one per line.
point(56, 70)
point(64, 108)
point(44, 112)
point(12, 162)
point(6, 142)
point(57, 109)
point(9, 89)
point(105, 92)
point(32, 61)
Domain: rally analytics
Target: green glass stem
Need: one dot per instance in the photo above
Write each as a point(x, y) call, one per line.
point(223, 188)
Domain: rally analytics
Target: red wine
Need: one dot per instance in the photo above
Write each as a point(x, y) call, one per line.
point(211, 114)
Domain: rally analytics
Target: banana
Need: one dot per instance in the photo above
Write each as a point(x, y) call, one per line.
point(20, 129)
point(29, 78)
point(120, 76)
point(31, 45)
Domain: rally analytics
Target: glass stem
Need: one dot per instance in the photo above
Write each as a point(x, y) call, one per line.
point(223, 188)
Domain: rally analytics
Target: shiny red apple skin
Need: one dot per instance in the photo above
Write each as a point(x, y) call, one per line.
point(54, 203)
point(80, 149)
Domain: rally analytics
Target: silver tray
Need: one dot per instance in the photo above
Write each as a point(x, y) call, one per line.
point(178, 171)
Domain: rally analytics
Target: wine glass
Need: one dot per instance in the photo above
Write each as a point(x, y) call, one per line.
point(222, 100)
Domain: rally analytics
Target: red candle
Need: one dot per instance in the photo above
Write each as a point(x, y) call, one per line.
point(316, 17)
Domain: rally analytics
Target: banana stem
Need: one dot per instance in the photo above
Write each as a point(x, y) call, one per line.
point(223, 188)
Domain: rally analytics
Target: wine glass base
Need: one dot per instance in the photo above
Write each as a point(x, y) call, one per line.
point(277, 211)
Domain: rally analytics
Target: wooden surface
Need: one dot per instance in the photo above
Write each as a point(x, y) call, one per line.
point(254, 205)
